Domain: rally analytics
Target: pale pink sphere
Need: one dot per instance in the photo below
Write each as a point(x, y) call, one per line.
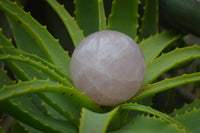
point(108, 66)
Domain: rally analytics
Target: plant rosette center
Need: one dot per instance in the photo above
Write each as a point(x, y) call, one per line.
point(108, 66)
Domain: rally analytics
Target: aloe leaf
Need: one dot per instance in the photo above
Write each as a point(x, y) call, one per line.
point(23, 102)
point(24, 111)
point(33, 57)
point(15, 66)
point(90, 15)
point(120, 118)
point(102, 17)
point(149, 110)
point(63, 105)
point(24, 72)
point(59, 106)
point(144, 124)
point(169, 60)
point(186, 108)
point(190, 119)
point(46, 63)
point(150, 19)
point(165, 84)
point(91, 122)
point(124, 17)
point(25, 41)
point(37, 65)
point(48, 45)
point(50, 100)
point(10, 104)
point(75, 32)
point(52, 111)
point(153, 46)
point(4, 41)
point(34, 73)
point(4, 80)
point(35, 86)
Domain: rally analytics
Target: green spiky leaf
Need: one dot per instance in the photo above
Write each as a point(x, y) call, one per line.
point(153, 46)
point(166, 84)
point(26, 112)
point(190, 119)
point(144, 124)
point(94, 11)
point(49, 46)
point(27, 42)
point(4, 79)
point(21, 70)
point(50, 99)
point(124, 17)
point(31, 73)
point(4, 41)
point(62, 105)
point(69, 22)
point(91, 122)
point(149, 24)
point(169, 60)
point(37, 65)
point(186, 108)
point(149, 110)
point(35, 86)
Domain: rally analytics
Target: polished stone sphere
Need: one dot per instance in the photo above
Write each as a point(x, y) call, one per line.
point(108, 66)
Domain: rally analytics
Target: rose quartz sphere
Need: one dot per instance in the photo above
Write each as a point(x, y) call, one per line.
point(108, 66)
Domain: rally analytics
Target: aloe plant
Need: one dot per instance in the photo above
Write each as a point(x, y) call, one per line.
point(41, 95)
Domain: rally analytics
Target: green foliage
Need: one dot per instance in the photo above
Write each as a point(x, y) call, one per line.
point(98, 123)
point(175, 57)
point(94, 11)
point(158, 42)
point(150, 19)
point(69, 22)
point(142, 124)
point(124, 17)
point(48, 45)
point(186, 108)
point(165, 84)
point(41, 95)
point(189, 116)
